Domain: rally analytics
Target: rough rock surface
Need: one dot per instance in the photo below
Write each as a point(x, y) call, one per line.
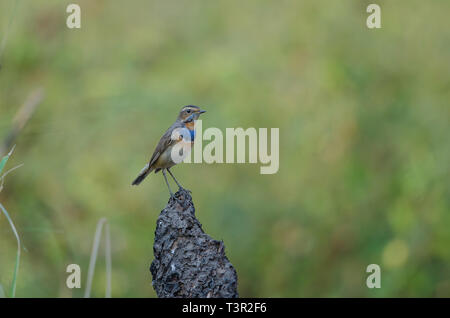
point(188, 262)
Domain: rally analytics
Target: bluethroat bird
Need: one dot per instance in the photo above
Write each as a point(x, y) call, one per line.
point(162, 156)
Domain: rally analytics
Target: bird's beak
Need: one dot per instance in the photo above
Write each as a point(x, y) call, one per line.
point(201, 111)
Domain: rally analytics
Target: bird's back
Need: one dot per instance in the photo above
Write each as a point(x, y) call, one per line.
point(165, 141)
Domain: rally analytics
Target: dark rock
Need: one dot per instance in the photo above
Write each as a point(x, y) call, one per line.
point(188, 262)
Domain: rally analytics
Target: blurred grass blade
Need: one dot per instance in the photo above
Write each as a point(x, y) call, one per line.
point(2, 292)
point(5, 159)
point(93, 260)
point(8, 28)
point(16, 268)
point(108, 261)
point(2, 178)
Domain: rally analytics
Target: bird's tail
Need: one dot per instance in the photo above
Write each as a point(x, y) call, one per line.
point(144, 172)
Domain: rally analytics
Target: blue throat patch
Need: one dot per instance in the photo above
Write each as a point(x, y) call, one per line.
point(192, 134)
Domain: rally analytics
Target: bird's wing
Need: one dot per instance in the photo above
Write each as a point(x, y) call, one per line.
point(165, 142)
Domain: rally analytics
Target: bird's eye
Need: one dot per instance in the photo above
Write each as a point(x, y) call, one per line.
point(188, 111)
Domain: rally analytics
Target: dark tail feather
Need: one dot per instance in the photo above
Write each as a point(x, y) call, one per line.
point(144, 172)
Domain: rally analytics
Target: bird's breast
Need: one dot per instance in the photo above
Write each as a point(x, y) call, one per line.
point(192, 132)
point(191, 127)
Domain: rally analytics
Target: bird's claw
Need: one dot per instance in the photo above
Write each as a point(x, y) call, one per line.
point(184, 189)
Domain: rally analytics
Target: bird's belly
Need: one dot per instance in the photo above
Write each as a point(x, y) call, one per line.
point(165, 159)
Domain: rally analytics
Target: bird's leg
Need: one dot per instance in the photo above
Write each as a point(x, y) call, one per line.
point(167, 182)
point(168, 186)
point(178, 184)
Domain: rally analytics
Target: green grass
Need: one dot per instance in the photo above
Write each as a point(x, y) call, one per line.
point(11, 223)
point(8, 28)
point(16, 267)
point(5, 160)
point(363, 117)
point(103, 222)
point(2, 165)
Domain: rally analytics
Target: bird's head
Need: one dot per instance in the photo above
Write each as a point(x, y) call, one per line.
point(190, 113)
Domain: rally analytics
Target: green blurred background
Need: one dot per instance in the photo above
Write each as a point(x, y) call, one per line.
point(364, 150)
